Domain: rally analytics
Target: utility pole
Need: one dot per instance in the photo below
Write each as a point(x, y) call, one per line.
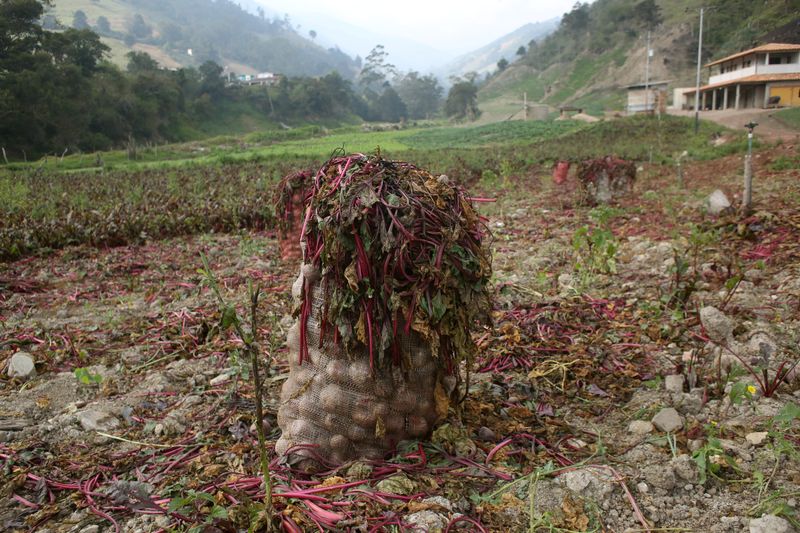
point(697, 89)
point(647, 77)
point(747, 196)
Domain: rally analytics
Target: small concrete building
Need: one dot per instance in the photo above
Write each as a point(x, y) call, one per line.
point(647, 98)
point(768, 75)
point(262, 78)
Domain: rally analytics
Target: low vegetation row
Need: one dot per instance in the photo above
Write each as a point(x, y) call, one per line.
point(222, 187)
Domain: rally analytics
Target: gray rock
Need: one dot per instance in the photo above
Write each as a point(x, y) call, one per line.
point(761, 345)
point(132, 356)
point(170, 425)
point(668, 420)
point(642, 487)
point(660, 476)
point(718, 326)
point(717, 202)
point(486, 434)
point(674, 383)
point(222, 378)
point(640, 427)
point(566, 281)
point(97, 420)
point(770, 523)
point(756, 438)
point(688, 403)
point(94, 528)
point(426, 521)
point(21, 365)
point(754, 274)
point(124, 492)
point(730, 446)
point(441, 501)
point(685, 468)
point(588, 482)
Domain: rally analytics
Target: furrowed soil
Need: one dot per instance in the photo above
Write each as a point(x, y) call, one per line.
point(639, 377)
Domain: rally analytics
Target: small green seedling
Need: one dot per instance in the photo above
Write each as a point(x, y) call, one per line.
point(86, 377)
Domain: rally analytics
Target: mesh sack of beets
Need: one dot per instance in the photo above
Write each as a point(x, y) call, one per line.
point(394, 277)
point(605, 179)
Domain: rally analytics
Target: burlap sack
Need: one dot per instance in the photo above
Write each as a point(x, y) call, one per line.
point(333, 402)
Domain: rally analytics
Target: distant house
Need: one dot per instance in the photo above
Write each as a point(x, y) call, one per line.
point(768, 75)
point(647, 98)
point(262, 78)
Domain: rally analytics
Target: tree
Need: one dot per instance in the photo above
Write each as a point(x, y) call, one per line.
point(462, 101)
point(103, 26)
point(421, 94)
point(502, 64)
point(577, 20)
point(376, 69)
point(140, 62)
point(470, 76)
point(82, 48)
point(45, 87)
point(648, 13)
point(389, 106)
point(312, 34)
point(19, 33)
point(139, 28)
point(340, 91)
point(79, 20)
point(521, 51)
point(211, 81)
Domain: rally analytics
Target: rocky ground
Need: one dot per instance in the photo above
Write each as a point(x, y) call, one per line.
point(640, 377)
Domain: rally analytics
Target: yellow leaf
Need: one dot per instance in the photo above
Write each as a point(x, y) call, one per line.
point(442, 400)
point(351, 276)
point(361, 329)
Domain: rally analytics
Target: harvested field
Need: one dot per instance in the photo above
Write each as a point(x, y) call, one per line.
point(608, 395)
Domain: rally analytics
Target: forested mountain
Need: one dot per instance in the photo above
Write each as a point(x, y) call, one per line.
point(600, 47)
point(59, 93)
point(189, 32)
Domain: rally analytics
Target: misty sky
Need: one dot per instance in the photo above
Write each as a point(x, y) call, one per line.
point(451, 26)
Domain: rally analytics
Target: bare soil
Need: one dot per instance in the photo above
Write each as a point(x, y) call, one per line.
point(157, 432)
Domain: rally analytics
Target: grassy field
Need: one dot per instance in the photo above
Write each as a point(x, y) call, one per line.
point(661, 139)
point(227, 182)
point(790, 117)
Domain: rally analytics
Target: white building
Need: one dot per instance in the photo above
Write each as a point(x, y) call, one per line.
point(262, 78)
point(768, 75)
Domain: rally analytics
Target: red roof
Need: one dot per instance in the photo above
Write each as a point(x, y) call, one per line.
point(764, 48)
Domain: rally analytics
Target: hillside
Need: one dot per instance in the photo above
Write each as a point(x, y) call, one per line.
point(188, 32)
point(485, 59)
point(600, 47)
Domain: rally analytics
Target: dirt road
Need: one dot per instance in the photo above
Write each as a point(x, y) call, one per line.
point(768, 126)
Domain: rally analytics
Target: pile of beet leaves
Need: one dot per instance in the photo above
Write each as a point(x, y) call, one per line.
point(399, 250)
